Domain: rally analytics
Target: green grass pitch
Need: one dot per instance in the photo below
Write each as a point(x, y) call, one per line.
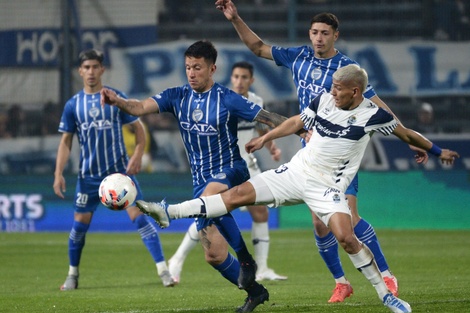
point(118, 275)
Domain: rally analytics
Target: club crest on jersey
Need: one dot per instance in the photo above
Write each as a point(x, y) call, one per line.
point(316, 73)
point(197, 115)
point(352, 120)
point(94, 112)
point(336, 198)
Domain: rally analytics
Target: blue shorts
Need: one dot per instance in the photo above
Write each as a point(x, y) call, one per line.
point(86, 193)
point(229, 176)
point(353, 187)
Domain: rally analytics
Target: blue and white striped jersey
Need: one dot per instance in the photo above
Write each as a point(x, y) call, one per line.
point(208, 125)
point(340, 138)
point(99, 131)
point(312, 76)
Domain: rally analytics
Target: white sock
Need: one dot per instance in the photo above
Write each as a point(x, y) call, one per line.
point(190, 240)
point(161, 267)
point(364, 262)
point(210, 206)
point(342, 280)
point(260, 239)
point(73, 270)
point(386, 273)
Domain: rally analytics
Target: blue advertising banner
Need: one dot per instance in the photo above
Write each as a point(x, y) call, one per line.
point(41, 47)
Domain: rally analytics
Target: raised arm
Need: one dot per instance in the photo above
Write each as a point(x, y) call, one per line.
point(416, 139)
point(131, 106)
point(249, 38)
point(421, 155)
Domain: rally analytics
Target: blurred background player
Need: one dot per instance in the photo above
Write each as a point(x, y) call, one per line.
point(207, 115)
point(99, 131)
point(241, 79)
point(312, 68)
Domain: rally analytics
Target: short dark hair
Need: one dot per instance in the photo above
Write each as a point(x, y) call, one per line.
point(327, 18)
point(91, 54)
point(246, 65)
point(202, 49)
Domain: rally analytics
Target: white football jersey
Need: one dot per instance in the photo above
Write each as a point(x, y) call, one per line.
point(340, 137)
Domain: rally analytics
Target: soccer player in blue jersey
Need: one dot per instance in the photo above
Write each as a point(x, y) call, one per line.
point(312, 70)
point(102, 152)
point(319, 174)
point(242, 78)
point(207, 114)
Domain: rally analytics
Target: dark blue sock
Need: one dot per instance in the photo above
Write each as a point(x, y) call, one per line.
point(77, 242)
point(328, 248)
point(148, 232)
point(230, 268)
point(366, 233)
point(228, 227)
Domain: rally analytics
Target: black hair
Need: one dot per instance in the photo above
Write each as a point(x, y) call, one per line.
point(246, 65)
point(91, 54)
point(202, 49)
point(326, 18)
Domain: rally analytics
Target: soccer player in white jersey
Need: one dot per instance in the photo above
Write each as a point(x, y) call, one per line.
point(312, 68)
point(207, 114)
point(320, 173)
point(241, 79)
point(102, 152)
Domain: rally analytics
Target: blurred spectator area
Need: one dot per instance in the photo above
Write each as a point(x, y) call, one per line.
point(281, 20)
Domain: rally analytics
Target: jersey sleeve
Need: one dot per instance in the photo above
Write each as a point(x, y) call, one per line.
point(308, 115)
point(285, 56)
point(382, 121)
point(241, 107)
point(67, 120)
point(165, 99)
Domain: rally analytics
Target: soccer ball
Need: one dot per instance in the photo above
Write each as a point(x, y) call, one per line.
point(117, 191)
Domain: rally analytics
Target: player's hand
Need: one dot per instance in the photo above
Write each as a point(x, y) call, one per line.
point(108, 96)
point(134, 166)
point(421, 156)
point(448, 156)
point(308, 135)
point(275, 152)
point(228, 8)
point(59, 186)
point(254, 144)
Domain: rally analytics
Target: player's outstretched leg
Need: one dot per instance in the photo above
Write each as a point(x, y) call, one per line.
point(157, 211)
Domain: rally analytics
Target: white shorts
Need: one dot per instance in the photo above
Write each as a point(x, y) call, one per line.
point(289, 185)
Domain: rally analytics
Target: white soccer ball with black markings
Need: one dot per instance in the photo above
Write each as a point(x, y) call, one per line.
point(117, 191)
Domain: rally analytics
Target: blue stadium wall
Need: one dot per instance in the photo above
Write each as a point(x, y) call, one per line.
point(394, 200)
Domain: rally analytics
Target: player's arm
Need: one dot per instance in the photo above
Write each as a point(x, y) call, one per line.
point(131, 106)
point(273, 120)
point(421, 155)
point(135, 162)
point(413, 138)
point(63, 154)
point(249, 38)
point(290, 126)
